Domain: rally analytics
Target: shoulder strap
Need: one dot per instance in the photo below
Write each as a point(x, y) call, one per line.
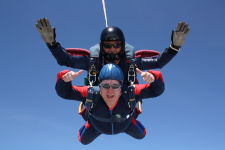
point(93, 71)
point(132, 101)
point(132, 71)
point(129, 95)
point(92, 97)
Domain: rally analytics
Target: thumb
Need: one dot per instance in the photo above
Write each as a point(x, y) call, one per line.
point(54, 33)
point(38, 27)
point(172, 35)
point(138, 71)
point(78, 73)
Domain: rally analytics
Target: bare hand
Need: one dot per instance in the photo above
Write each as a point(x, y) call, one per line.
point(147, 77)
point(71, 75)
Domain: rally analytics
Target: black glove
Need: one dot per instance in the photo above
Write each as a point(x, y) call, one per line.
point(46, 31)
point(178, 37)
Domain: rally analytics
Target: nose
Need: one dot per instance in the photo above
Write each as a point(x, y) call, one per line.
point(112, 49)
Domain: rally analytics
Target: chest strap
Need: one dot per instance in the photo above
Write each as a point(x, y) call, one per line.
point(112, 119)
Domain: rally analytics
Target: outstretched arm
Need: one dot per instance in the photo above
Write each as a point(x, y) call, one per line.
point(48, 35)
point(65, 89)
point(177, 41)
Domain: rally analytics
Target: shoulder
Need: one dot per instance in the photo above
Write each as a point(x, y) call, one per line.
point(95, 50)
point(129, 49)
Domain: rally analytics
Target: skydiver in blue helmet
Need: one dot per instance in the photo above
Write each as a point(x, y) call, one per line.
point(111, 48)
point(108, 110)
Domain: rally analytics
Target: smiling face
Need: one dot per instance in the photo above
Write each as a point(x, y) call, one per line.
point(110, 96)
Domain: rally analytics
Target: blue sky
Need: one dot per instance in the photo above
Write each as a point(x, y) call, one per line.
point(189, 115)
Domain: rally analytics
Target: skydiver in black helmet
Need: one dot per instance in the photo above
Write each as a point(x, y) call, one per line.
point(112, 48)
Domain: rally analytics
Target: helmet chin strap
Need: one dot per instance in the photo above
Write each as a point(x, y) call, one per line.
point(111, 56)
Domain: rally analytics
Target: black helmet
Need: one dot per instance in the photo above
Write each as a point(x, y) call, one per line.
point(112, 34)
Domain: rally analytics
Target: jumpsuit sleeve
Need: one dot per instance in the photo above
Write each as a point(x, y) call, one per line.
point(65, 59)
point(67, 91)
point(157, 62)
point(150, 90)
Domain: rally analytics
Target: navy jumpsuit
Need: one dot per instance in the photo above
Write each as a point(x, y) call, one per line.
point(94, 127)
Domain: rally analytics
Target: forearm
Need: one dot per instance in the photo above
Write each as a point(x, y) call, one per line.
point(65, 59)
point(156, 62)
point(66, 90)
point(157, 87)
point(154, 89)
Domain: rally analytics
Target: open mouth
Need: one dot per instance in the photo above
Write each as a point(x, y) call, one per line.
point(110, 96)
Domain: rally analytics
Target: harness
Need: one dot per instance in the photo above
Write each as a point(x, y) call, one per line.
point(131, 79)
point(93, 91)
point(94, 64)
point(93, 96)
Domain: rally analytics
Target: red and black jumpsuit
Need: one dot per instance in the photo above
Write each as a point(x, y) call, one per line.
point(94, 127)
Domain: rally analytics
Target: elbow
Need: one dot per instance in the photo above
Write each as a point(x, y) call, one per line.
point(161, 65)
point(62, 63)
point(160, 91)
point(61, 93)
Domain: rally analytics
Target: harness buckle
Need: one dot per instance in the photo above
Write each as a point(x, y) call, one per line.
point(92, 74)
point(132, 72)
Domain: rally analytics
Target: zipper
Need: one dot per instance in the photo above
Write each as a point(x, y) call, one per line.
point(112, 123)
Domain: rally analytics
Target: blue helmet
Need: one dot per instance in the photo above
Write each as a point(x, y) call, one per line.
point(111, 71)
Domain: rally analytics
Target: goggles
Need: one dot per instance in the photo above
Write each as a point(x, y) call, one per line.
point(109, 45)
point(107, 86)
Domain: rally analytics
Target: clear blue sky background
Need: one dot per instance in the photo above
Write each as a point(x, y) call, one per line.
point(190, 115)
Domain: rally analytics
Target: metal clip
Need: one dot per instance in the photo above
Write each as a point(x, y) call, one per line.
point(92, 75)
point(131, 74)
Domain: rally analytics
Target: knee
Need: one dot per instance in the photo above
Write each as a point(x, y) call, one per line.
point(141, 135)
point(84, 142)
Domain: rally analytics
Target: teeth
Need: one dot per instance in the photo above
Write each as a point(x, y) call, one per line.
point(110, 96)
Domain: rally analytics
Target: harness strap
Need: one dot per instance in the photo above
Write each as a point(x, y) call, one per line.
point(116, 118)
point(93, 71)
point(131, 102)
point(132, 71)
point(92, 97)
